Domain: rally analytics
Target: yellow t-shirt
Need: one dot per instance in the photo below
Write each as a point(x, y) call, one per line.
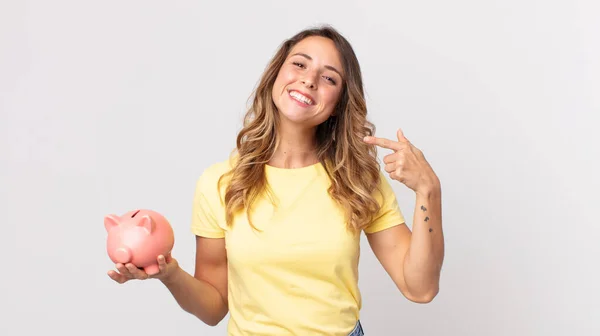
point(299, 276)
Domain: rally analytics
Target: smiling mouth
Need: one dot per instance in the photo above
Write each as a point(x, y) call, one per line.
point(297, 96)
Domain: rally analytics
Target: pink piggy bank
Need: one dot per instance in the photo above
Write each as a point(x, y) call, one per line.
point(139, 237)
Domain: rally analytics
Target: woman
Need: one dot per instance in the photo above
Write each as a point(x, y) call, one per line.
point(278, 224)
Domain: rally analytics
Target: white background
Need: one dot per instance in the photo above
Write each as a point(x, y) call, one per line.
point(107, 106)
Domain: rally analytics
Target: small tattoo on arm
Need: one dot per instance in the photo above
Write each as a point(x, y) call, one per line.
point(426, 218)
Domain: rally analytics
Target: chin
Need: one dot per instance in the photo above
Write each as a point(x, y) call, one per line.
point(294, 114)
point(297, 117)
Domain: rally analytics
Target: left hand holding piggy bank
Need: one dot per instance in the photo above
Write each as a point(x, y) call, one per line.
point(140, 244)
point(166, 265)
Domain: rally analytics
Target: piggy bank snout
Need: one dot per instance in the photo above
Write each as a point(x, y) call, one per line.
point(123, 255)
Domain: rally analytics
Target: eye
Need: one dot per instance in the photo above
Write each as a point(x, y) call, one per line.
point(329, 79)
point(298, 64)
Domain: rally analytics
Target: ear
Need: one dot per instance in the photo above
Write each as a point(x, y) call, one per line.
point(147, 223)
point(111, 221)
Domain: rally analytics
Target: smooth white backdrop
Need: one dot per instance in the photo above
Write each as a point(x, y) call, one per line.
point(108, 106)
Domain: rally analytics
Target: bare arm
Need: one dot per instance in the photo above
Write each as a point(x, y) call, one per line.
point(203, 295)
point(414, 260)
point(424, 258)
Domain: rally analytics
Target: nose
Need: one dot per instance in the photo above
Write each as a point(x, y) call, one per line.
point(308, 83)
point(309, 80)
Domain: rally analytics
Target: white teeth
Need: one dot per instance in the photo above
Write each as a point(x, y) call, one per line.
point(301, 98)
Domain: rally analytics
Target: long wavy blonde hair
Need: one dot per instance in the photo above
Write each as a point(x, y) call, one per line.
point(350, 163)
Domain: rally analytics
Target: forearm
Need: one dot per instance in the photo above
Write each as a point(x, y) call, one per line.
point(423, 261)
point(197, 297)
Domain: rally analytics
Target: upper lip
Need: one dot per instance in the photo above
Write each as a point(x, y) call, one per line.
point(304, 94)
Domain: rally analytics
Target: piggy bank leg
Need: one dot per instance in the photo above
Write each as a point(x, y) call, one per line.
point(151, 269)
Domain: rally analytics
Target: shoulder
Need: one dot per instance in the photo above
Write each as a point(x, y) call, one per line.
point(217, 169)
point(208, 181)
point(389, 213)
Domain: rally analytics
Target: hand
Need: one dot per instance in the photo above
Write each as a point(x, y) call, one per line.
point(407, 163)
point(167, 267)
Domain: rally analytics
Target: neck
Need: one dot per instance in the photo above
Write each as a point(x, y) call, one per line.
point(296, 147)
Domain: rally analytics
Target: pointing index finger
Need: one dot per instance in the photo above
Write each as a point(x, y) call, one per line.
point(384, 143)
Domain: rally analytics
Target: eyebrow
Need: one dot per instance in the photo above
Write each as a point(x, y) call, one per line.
point(326, 66)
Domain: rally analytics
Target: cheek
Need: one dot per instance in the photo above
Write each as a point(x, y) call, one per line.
point(331, 96)
point(286, 75)
point(283, 78)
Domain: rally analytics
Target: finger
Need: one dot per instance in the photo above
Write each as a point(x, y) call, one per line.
point(384, 143)
point(123, 270)
point(401, 137)
point(397, 175)
point(119, 278)
point(136, 272)
point(391, 158)
point(162, 263)
point(390, 167)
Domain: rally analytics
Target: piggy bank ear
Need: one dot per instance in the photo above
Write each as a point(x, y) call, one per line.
point(147, 223)
point(111, 221)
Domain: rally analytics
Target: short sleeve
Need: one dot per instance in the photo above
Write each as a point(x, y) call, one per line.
point(206, 208)
point(390, 214)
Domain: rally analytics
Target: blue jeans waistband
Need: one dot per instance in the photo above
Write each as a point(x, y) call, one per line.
point(357, 331)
